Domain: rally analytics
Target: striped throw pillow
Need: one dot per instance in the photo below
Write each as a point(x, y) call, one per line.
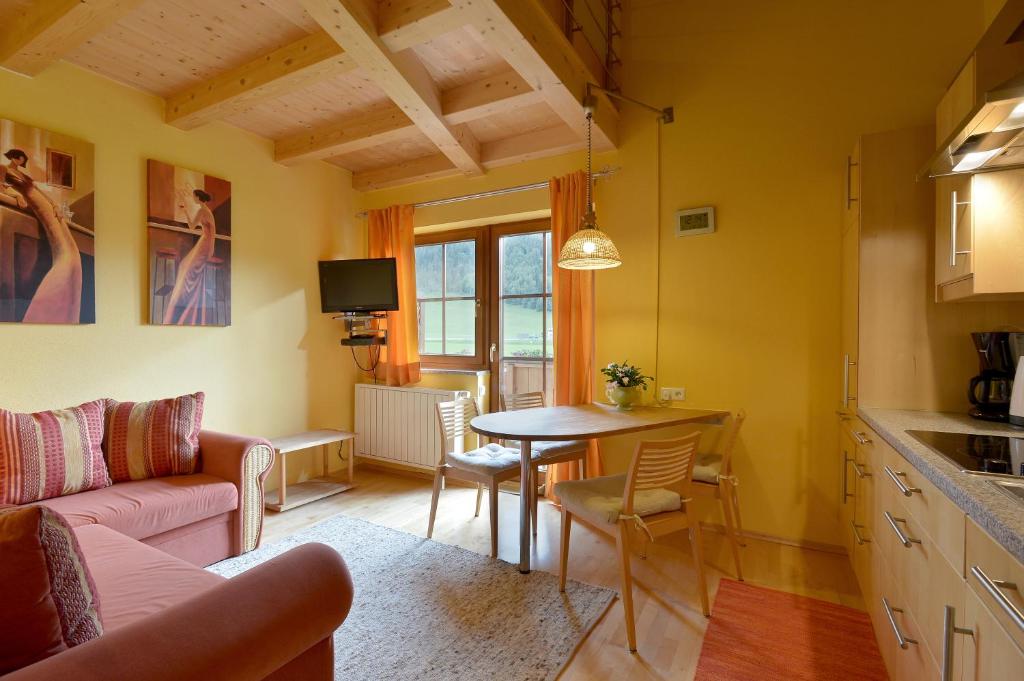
point(51, 453)
point(153, 439)
point(49, 599)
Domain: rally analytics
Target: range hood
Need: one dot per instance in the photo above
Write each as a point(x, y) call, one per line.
point(991, 135)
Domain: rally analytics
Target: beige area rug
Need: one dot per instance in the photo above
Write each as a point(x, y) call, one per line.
point(424, 610)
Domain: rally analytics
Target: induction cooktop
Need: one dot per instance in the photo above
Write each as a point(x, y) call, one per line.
point(992, 454)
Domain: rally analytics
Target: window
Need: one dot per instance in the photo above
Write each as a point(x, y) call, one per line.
point(484, 302)
point(448, 297)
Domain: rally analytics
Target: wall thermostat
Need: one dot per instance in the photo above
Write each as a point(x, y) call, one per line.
point(693, 221)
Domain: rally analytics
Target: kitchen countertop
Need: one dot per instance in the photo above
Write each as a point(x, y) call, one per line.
point(997, 513)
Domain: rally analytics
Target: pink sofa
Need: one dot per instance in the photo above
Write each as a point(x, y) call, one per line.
point(164, 617)
point(201, 518)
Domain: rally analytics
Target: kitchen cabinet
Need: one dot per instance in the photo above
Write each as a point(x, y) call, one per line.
point(979, 236)
point(957, 103)
point(933, 617)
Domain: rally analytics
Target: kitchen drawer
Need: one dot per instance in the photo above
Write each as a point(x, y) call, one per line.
point(925, 579)
point(994, 562)
point(932, 509)
point(848, 488)
point(892, 618)
point(988, 653)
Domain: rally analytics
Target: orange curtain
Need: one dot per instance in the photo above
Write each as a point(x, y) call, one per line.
point(573, 294)
point(390, 236)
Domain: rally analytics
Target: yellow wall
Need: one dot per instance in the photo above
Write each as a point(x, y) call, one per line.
point(769, 99)
point(278, 367)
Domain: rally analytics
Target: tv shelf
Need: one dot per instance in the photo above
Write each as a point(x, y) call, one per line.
point(365, 340)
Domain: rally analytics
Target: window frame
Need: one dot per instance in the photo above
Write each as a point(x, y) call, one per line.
point(476, 361)
point(488, 289)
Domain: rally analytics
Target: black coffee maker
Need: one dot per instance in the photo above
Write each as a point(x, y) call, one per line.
point(990, 390)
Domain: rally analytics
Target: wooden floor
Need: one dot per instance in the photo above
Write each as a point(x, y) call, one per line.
point(670, 626)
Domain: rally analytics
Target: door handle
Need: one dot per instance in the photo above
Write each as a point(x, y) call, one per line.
point(949, 630)
point(846, 381)
point(954, 205)
point(901, 639)
point(494, 347)
point(994, 588)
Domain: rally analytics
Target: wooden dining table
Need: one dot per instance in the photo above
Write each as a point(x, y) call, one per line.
point(582, 422)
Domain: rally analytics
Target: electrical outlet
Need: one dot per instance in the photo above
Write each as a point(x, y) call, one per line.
point(673, 394)
point(666, 394)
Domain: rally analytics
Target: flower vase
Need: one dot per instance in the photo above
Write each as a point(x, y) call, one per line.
point(624, 397)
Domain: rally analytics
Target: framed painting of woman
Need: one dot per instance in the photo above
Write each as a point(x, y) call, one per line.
point(47, 230)
point(189, 225)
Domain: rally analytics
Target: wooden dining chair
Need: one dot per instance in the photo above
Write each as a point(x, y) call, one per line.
point(488, 465)
point(544, 453)
point(713, 477)
point(651, 498)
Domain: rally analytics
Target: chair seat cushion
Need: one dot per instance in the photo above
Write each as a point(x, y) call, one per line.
point(551, 449)
point(486, 460)
point(599, 500)
point(135, 580)
point(145, 508)
point(707, 468)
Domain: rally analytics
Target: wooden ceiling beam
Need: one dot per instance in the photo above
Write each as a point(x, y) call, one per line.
point(43, 32)
point(523, 33)
point(383, 124)
point(354, 132)
point(504, 92)
point(406, 23)
point(272, 75)
point(415, 170)
point(400, 75)
point(527, 146)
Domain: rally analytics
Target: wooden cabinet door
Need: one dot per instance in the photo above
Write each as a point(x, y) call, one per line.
point(988, 653)
point(956, 104)
point(954, 232)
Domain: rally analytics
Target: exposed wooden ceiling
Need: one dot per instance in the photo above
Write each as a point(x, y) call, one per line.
point(396, 91)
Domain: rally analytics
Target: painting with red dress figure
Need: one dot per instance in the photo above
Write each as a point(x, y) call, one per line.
point(47, 230)
point(189, 227)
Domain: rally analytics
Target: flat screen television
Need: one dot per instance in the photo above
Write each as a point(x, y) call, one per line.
point(369, 285)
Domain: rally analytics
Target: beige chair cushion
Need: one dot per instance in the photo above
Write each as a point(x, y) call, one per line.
point(707, 468)
point(548, 449)
point(486, 460)
point(599, 500)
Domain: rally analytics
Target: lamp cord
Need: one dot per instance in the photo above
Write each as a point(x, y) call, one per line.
point(590, 173)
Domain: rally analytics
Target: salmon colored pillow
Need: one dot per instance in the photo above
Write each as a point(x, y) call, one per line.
point(49, 599)
point(153, 439)
point(51, 453)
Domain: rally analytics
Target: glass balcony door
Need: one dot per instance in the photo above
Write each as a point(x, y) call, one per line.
point(522, 348)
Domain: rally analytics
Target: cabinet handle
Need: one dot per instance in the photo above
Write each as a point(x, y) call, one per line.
point(846, 476)
point(849, 181)
point(953, 252)
point(904, 539)
point(856, 534)
point(861, 438)
point(861, 473)
point(900, 638)
point(900, 485)
point(949, 630)
point(846, 381)
point(995, 587)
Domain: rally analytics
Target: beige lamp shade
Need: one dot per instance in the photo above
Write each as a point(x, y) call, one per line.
point(589, 249)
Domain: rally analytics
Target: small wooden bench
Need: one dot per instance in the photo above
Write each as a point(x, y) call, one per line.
point(317, 488)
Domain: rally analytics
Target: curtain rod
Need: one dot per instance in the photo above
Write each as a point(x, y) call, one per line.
point(604, 172)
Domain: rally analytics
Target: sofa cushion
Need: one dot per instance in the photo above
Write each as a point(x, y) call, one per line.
point(153, 439)
point(135, 580)
point(49, 599)
point(50, 453)
point(145, 508)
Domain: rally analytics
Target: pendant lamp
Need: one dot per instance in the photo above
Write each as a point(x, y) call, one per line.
point(589, 248)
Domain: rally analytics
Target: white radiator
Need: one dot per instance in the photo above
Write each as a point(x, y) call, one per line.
point(400, 424)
